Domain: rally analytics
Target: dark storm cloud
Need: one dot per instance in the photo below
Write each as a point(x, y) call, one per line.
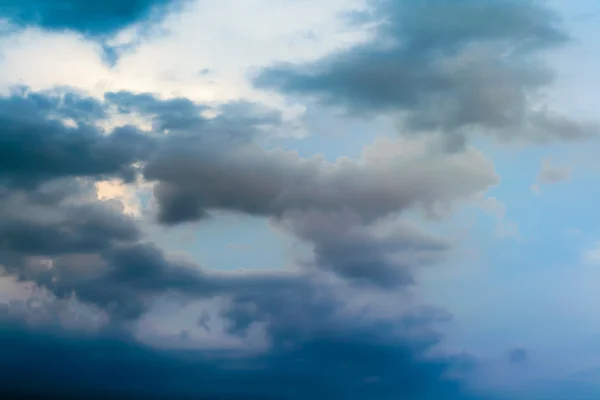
point(455, 66)
point(36, 144)
point(317, 351)
point(89, 17)
point(347, 359)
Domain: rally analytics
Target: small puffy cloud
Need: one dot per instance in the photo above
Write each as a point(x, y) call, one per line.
point(551, 174)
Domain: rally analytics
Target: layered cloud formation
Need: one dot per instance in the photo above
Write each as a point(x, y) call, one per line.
point(57, 235)
point(344, 320)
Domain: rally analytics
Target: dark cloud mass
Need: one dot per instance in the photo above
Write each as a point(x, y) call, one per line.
point(456, 66)
point(100, 274)
point(89, 17)
point(36, 144)
point(355, 364)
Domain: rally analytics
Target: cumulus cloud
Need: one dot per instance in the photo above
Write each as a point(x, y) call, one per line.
point(459, 68)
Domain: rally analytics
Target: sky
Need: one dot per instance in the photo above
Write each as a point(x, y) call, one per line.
point(298, 199)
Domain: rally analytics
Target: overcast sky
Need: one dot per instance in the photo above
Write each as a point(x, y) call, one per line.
point(300, 199)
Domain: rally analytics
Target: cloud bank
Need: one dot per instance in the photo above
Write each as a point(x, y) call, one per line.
point(56, 234)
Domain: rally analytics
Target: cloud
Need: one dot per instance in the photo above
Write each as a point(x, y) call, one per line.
point(459, 68)
point(360, 362)
point(37, 143)
point(227, 37)
point(93, 18)
point(311, 196)
point(551, 174)
point(367, 254)
point(200, 165)
point(195, 177)
point(179, 115)
point(85, 254)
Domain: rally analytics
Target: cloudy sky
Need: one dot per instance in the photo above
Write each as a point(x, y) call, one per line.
point(300, 199)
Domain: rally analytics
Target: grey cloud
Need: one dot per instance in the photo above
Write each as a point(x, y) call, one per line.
point(459, 67)
point(239, 120)
point(343, 245)
point(36, 145)
point(61, 238)
point(315, 346)
point(178, 113)
point(312, 195)
point(57, 235)
point(199, 168)
point(553, 174)
point(40, 226)
point(194, 178)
